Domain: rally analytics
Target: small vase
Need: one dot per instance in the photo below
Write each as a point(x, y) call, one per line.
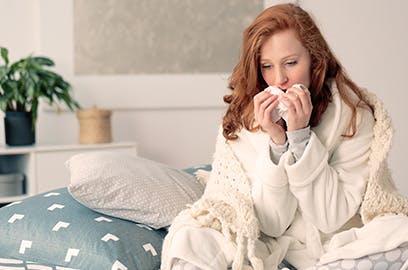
point(94, 126)
point(19, 128)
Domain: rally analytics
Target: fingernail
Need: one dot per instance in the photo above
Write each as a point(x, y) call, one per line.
point(299, 86)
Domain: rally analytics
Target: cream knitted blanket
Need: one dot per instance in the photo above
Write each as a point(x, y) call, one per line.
point(381, 195)
point(227, 205)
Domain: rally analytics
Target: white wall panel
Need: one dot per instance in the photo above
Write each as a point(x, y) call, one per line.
point(174, 118)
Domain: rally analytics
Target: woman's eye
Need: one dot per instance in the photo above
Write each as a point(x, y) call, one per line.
point(291, 63)
point(265, 66)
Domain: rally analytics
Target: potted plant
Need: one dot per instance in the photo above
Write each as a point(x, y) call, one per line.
point(22, 84)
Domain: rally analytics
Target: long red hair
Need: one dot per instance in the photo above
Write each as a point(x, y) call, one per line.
point(246, 79)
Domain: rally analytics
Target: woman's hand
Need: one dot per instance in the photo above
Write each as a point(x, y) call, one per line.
point(264, 103)
point(299, 107)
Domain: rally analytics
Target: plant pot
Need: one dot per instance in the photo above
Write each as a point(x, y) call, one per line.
point(19, 128)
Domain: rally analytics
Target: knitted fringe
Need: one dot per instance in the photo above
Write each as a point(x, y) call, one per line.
point(381, 196)
point(227, 206)
point(236, 227)
point(255, 261)
point(202, 176)
point(377, 202)
point(238, 262)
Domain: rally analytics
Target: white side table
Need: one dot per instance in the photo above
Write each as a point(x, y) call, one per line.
point(44, 165)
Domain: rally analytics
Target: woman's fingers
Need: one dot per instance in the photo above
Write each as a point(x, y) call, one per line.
point(268, 110)
point(296, 99)
point(300, 97)
point(259, 99)
point(304, 96)
point(293, 102)
point(299, 105)
point(262, 103)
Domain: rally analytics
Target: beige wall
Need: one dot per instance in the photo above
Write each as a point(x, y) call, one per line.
point(156, 37)
point(174, 117)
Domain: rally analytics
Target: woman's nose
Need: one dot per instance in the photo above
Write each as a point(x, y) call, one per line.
point(280, 78)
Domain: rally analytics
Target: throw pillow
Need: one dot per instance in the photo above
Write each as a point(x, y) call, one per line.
point(131, 188)
point(53, 231)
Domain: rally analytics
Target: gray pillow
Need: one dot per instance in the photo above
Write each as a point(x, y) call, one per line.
point(131, 188)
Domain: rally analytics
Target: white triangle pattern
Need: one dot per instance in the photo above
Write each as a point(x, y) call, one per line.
point(71, 253)
point(103, 219)
point(55, 206)
point(149, 248)
point(13, 203)
point(25, 244)
point(15, 217)
point(119, 266)
point(50, 194)
point(60, 225)
point(109, 236)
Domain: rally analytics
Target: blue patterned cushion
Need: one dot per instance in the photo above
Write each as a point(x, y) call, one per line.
point(52, 229)
point(193, 170)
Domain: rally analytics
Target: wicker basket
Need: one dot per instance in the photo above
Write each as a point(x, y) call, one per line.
point(94, 126)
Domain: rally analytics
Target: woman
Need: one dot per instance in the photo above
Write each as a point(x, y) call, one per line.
point(283, 188)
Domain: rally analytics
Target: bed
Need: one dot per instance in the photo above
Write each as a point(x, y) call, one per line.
point(114, 215)
point(54, 230)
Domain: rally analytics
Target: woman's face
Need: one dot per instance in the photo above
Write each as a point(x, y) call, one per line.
point(284, 61)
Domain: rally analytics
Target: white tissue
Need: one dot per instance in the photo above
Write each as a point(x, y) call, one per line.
point(280, 111)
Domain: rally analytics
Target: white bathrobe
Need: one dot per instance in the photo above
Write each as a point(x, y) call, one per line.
point(261, 211)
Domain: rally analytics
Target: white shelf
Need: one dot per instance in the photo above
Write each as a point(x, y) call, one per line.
point(44, 165)
point(13, 150)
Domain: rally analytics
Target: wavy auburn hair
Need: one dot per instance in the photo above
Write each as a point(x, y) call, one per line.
point(246, 79)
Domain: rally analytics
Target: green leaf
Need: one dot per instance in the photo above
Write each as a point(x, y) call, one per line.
point(3, 102)
point(26, 81)
point(6, 101)
point(43, 61)
point(4, 55)
point(3, 73)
